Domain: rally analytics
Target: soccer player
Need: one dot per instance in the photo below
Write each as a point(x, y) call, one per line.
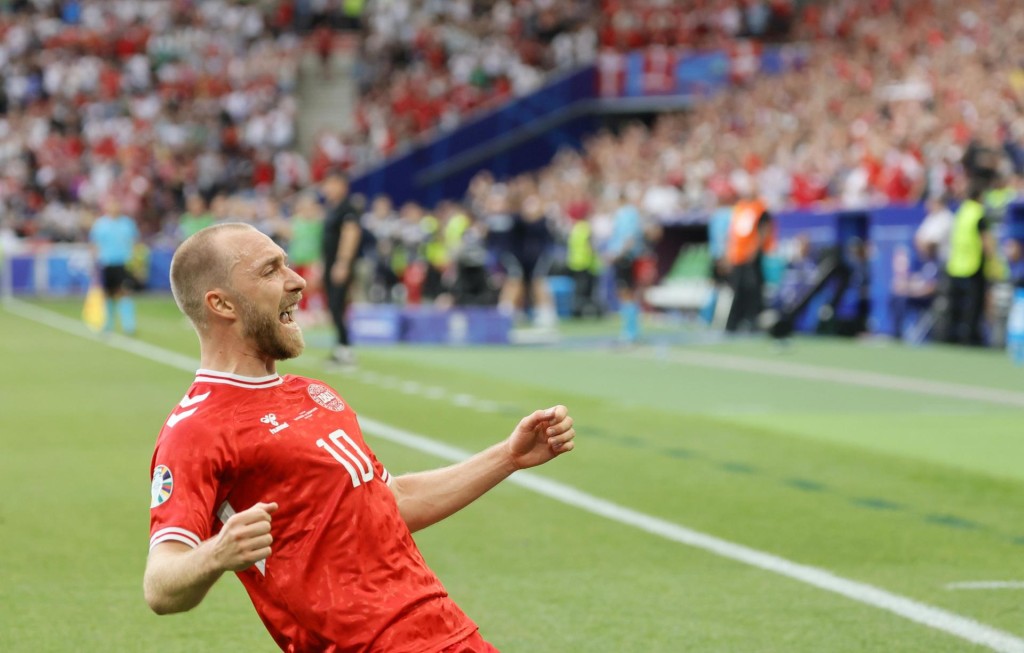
point(113, 237)
point(269, 476)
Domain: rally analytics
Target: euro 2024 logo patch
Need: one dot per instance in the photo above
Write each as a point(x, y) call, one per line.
point(163, 485)
point(324, 396)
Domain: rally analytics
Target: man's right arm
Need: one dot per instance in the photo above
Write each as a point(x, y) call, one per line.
point(178, 577)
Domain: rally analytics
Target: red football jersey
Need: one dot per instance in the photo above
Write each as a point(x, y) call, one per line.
point(345, 574)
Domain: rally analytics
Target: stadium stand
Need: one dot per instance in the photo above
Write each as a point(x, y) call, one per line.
point(141, 101)
point(427, 65)
point(887, 103)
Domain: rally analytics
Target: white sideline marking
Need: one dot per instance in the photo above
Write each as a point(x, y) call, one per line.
point(434, 392)
point(486, 406)
point(463, 400)
point(987, 585)
point(843, 376)
point(959, 626)
point(77, 328)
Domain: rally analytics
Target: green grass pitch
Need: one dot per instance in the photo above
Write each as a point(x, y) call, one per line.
point(909, 490)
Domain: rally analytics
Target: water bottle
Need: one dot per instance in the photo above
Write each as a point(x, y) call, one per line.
point(1015, 328)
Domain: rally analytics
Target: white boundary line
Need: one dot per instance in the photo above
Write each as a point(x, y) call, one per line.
point(959, 626)
point(875, 380)
point(987, 585)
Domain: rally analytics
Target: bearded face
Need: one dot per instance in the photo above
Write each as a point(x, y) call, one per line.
point(275, 334)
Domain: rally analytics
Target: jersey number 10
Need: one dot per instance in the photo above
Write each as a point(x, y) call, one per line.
point(350, 456)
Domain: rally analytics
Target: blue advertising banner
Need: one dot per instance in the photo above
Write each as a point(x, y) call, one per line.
point(523, 135)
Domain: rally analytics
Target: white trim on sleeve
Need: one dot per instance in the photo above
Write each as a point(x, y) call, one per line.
point(173, 533)
point(386, 477)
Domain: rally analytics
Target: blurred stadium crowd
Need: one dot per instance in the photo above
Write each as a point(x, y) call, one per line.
point(185, 113)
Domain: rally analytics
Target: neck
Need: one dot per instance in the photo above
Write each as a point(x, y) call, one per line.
point(236, 357)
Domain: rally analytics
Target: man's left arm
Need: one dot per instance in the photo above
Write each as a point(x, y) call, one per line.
point(425, 498)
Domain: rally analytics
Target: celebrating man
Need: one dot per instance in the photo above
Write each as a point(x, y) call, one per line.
point(269, 476)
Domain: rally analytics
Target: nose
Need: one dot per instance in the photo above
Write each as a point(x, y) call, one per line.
point(294, 282)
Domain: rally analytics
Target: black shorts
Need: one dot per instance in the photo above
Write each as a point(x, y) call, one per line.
point(625, 274)
point(115, 278)
point(532, 267)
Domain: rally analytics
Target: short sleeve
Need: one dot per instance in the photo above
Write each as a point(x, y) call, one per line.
point(188, 471)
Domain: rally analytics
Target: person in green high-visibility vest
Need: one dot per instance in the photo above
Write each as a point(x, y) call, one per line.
point(971, 244)
point(352, 15)
point(585, 265)
point(435, 253)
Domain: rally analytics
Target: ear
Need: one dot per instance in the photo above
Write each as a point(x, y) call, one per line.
point(220, 305)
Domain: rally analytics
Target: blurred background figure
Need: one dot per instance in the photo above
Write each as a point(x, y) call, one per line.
point(531, 247)
point(407, 254)
point(472, 284)
point(972, 242)
point(435, 255)
point(339, 248)
point(113, 237)
point(624, 248)
point(915, 285)
point(499, 222)
point(584, 265)
point(196, 216)
point(933, 235)
point(380, 226)
point(751, 234)
point(305, 233)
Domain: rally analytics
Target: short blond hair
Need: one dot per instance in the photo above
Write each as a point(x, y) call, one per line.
point(200, 264)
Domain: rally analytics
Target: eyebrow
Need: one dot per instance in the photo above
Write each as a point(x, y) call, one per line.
point(279, 258)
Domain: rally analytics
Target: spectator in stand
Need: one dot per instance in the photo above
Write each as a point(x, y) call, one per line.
point(139, 101)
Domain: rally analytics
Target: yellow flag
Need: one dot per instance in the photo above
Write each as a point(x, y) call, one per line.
point(94, 311)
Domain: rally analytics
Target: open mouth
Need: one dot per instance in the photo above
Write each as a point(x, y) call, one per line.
point(287, 316)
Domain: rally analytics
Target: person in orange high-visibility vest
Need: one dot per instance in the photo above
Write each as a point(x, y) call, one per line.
point(751, 234)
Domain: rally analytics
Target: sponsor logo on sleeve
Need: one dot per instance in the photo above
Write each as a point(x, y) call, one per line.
point(163, 485)
point(324, 396)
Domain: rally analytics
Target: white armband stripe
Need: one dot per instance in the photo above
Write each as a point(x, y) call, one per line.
point(176, 534)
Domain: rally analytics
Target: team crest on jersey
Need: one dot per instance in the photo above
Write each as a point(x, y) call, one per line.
point(163, 485)
point(324, 396)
